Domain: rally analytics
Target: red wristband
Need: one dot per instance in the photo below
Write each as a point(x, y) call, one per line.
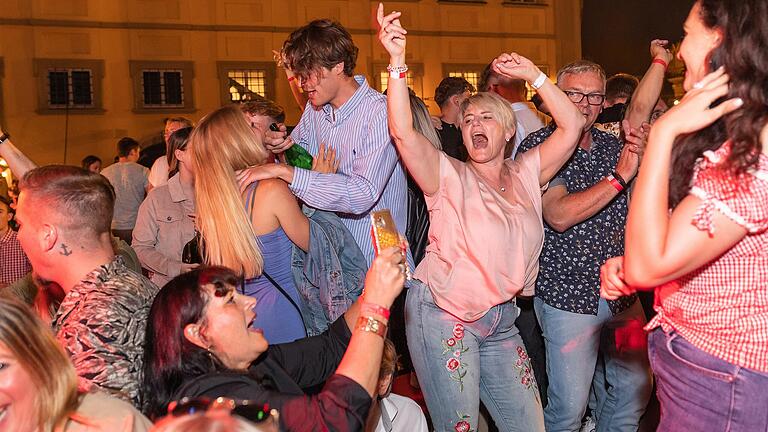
point(374, 309)
point(291, 78)
point(615, 183)
point(661, 62)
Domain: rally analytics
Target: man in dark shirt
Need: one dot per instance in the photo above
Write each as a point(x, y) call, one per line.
point(449, 95)
point(585, 210)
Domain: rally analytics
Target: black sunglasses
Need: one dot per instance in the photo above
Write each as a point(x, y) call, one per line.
point(254, 412)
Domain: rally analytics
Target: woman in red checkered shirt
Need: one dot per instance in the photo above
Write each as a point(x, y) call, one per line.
point(707, 161)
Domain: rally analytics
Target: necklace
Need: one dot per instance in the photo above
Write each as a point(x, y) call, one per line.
point(500, 186)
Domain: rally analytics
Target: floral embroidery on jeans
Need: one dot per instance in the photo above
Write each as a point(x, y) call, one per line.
point(455, 345)
point(463, 424)
point(524, 369)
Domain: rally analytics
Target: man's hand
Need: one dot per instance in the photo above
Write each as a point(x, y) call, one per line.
point(277, 141)
point(188, 267)
point(325, 161)
point(660, 50)
point(436, 122)
point(612, 284)
point(515, 66)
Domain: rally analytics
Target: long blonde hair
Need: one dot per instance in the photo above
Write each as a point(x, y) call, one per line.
point(422, 123)
point(221, 144)
point(38, 353)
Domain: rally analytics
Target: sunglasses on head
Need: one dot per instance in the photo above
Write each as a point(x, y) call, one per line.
point(256, 413)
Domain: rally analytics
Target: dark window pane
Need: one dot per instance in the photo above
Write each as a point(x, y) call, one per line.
point(57, 88)
point(81, 88)
point(152, 89)
point(173, 91)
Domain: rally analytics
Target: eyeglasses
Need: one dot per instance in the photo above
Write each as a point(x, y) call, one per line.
point(592, 98)
point(256, 413)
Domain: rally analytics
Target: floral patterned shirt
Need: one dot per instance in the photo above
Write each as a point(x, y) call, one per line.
point(569, 273)
point(101, 322)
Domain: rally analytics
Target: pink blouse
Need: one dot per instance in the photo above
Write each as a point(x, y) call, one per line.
point(483, 250)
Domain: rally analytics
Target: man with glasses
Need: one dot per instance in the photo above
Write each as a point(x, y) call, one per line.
point(589, 341)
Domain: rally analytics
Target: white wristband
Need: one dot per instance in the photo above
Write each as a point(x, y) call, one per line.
point(539, 81)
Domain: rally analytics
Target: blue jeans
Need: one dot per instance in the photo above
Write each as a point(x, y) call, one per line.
point(460, 363)
point(700, 392)
point(622, 382)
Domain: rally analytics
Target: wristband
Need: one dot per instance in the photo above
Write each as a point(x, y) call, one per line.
point(661, 62)
point(291, 78)
point(397, 72)
point(372, 325)
point(615, 183)
point(4, 137)
point(373, 308)
point(540, 80)
point(619, 179)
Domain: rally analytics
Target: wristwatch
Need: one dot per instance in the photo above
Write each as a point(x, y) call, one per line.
point(4, 137)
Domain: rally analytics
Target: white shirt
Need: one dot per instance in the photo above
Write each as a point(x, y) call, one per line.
point(526, 121)
point(158, 174)
point(400, 414)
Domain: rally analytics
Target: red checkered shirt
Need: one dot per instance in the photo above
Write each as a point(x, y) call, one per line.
point(14, 264)
point(722, 308)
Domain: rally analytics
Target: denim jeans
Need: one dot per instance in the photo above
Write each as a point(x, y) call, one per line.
point(460, 363)
point(622, 383)
point(700, 392)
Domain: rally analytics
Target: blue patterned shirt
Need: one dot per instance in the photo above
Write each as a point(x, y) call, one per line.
point(569, 273)
point(370, 176)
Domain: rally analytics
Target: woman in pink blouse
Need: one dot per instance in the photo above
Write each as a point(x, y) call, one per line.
point(707, 160)
point(485, 236)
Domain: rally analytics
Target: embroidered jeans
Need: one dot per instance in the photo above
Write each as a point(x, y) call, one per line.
point(700, 392)
point(460, 363)
point(622, 380)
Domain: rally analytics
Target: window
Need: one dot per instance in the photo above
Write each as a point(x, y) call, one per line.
point(413, 77)
point(70, 88)
point(69, 85)
point(470, 72)
point(240, 81)
point(162, 86)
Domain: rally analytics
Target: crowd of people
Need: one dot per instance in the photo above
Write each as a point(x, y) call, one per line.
point(227, 288)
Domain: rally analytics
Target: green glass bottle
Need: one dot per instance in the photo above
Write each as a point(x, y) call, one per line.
point(298, 157)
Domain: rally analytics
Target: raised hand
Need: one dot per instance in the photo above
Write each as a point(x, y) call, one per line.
point(391, 33)
point(515, 66)
point(693, 112)
point(385, 278)
point(660, 50)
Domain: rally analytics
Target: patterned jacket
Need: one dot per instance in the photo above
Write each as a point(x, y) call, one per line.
point(101, 324)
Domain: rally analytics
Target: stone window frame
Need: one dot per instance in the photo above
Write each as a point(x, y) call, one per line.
point(187, 69)
point(43, 65)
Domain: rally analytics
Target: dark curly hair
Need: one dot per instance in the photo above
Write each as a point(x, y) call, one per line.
point(320, 44)
point(745, 30)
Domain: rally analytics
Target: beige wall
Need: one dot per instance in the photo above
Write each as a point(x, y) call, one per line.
point(205, 32)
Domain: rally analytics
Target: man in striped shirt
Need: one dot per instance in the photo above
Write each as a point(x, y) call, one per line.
point(347, 115)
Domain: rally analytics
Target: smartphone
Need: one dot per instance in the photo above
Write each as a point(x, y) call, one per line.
point(384, 234)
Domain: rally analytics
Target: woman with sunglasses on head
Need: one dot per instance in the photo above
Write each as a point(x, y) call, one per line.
point(199, 343)
point(38, 384)
point(486, 234)
point(165, 222)
point(698, 227)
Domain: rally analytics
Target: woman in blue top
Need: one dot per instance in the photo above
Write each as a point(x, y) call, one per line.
point(253, 231)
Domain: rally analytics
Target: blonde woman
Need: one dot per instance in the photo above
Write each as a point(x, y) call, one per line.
point(252, 232)
point(38, 383)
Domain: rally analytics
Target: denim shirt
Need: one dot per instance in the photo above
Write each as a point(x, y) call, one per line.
point(330, 276)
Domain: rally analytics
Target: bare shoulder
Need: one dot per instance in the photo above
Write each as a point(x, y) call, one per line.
point(271, 187)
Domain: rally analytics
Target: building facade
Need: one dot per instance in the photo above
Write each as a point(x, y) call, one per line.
point(77, 75)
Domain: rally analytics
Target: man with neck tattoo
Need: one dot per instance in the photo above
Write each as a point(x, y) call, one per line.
point(64, 216)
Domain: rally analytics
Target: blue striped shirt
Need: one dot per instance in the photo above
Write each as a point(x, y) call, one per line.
point(370, 176)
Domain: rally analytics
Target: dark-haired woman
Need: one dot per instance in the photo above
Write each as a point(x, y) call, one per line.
point(199, 344)
point(708, 258)
point(92, 163)
point(165, 222)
